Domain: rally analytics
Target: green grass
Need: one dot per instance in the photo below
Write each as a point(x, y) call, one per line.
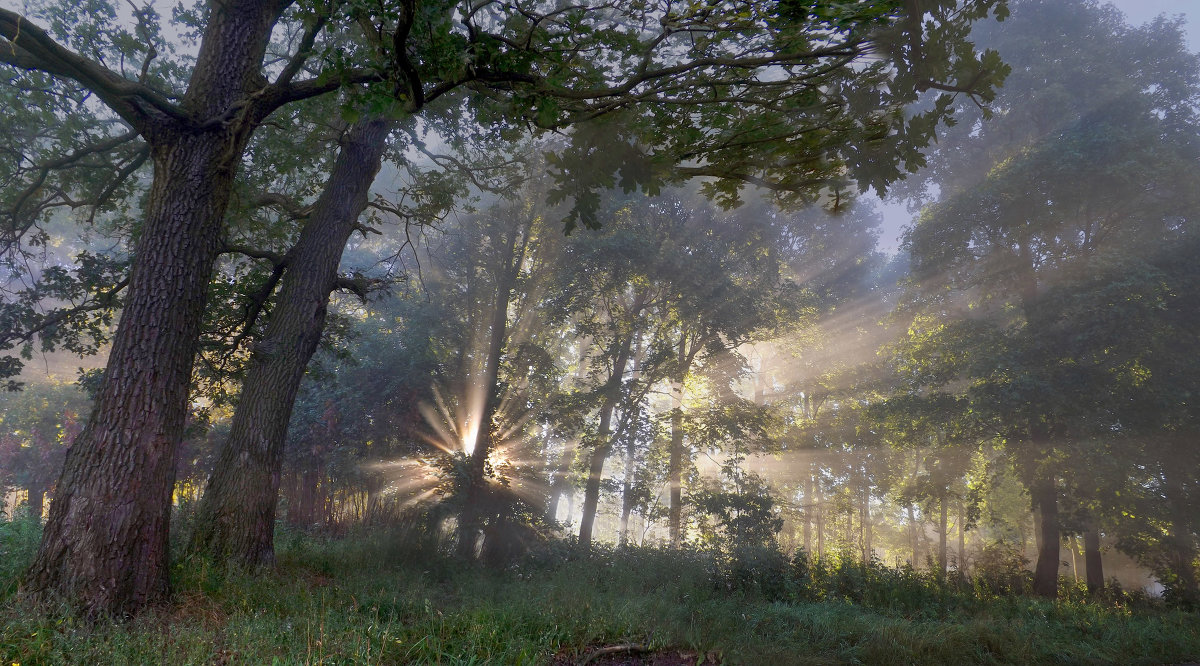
point(386, 597)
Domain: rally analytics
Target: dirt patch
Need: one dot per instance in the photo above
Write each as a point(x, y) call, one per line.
point(192, 608)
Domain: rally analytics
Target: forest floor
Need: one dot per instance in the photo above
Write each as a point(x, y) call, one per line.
point(387, 597)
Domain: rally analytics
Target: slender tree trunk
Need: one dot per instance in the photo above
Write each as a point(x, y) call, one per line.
point(37, 500)
point(1045, 576)
point(810, 506)
point(820, 522)
point(675, 464)
point(1078, 556)
point(962, 537)
point(1091, 557)
point(604, 443)
point(627, 491)
point(236, 517)
point(591, 492)
point(942, 534)
point(558, 481)
point(868, 534)
point(306, 516)
point(472, 518)
point(914, 536)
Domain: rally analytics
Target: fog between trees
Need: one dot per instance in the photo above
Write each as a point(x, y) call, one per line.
point(715, 357)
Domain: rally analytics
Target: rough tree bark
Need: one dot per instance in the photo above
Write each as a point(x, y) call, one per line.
point(105, 543)
point(236, 517)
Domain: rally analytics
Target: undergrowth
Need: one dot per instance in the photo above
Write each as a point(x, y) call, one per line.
point(389, 596)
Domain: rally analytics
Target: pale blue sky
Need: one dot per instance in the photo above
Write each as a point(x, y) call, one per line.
point(1141, 11)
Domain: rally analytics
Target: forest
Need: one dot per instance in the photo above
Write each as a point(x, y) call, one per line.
point(540, 332)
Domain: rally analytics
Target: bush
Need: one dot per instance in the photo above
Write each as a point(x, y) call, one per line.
point(763, 571)
point(1001, 570)
point(19, 540)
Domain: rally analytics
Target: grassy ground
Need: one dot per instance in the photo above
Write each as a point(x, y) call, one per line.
point(383, 598)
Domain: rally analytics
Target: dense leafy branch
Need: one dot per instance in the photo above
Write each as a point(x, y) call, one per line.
point(26, 46)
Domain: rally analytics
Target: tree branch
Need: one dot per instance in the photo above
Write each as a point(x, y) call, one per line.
point(284, 203)
point(359, 285)
point(23, 44)
point(279, 260)
point(21, 222)
point(304, 49)
point(102, 300)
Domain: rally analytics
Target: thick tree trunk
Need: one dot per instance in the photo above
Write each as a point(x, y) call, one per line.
point(1091, 558)
point(236, 518)
point(1045, 576)
point(105, 543)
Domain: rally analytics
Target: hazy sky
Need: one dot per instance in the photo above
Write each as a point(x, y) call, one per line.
point(1137, 12)
point(1141, 11)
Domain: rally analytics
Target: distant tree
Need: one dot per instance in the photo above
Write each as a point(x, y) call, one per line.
point(39, 424)
point(1061, 189)
point(1126, 323)
point(491, 273)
